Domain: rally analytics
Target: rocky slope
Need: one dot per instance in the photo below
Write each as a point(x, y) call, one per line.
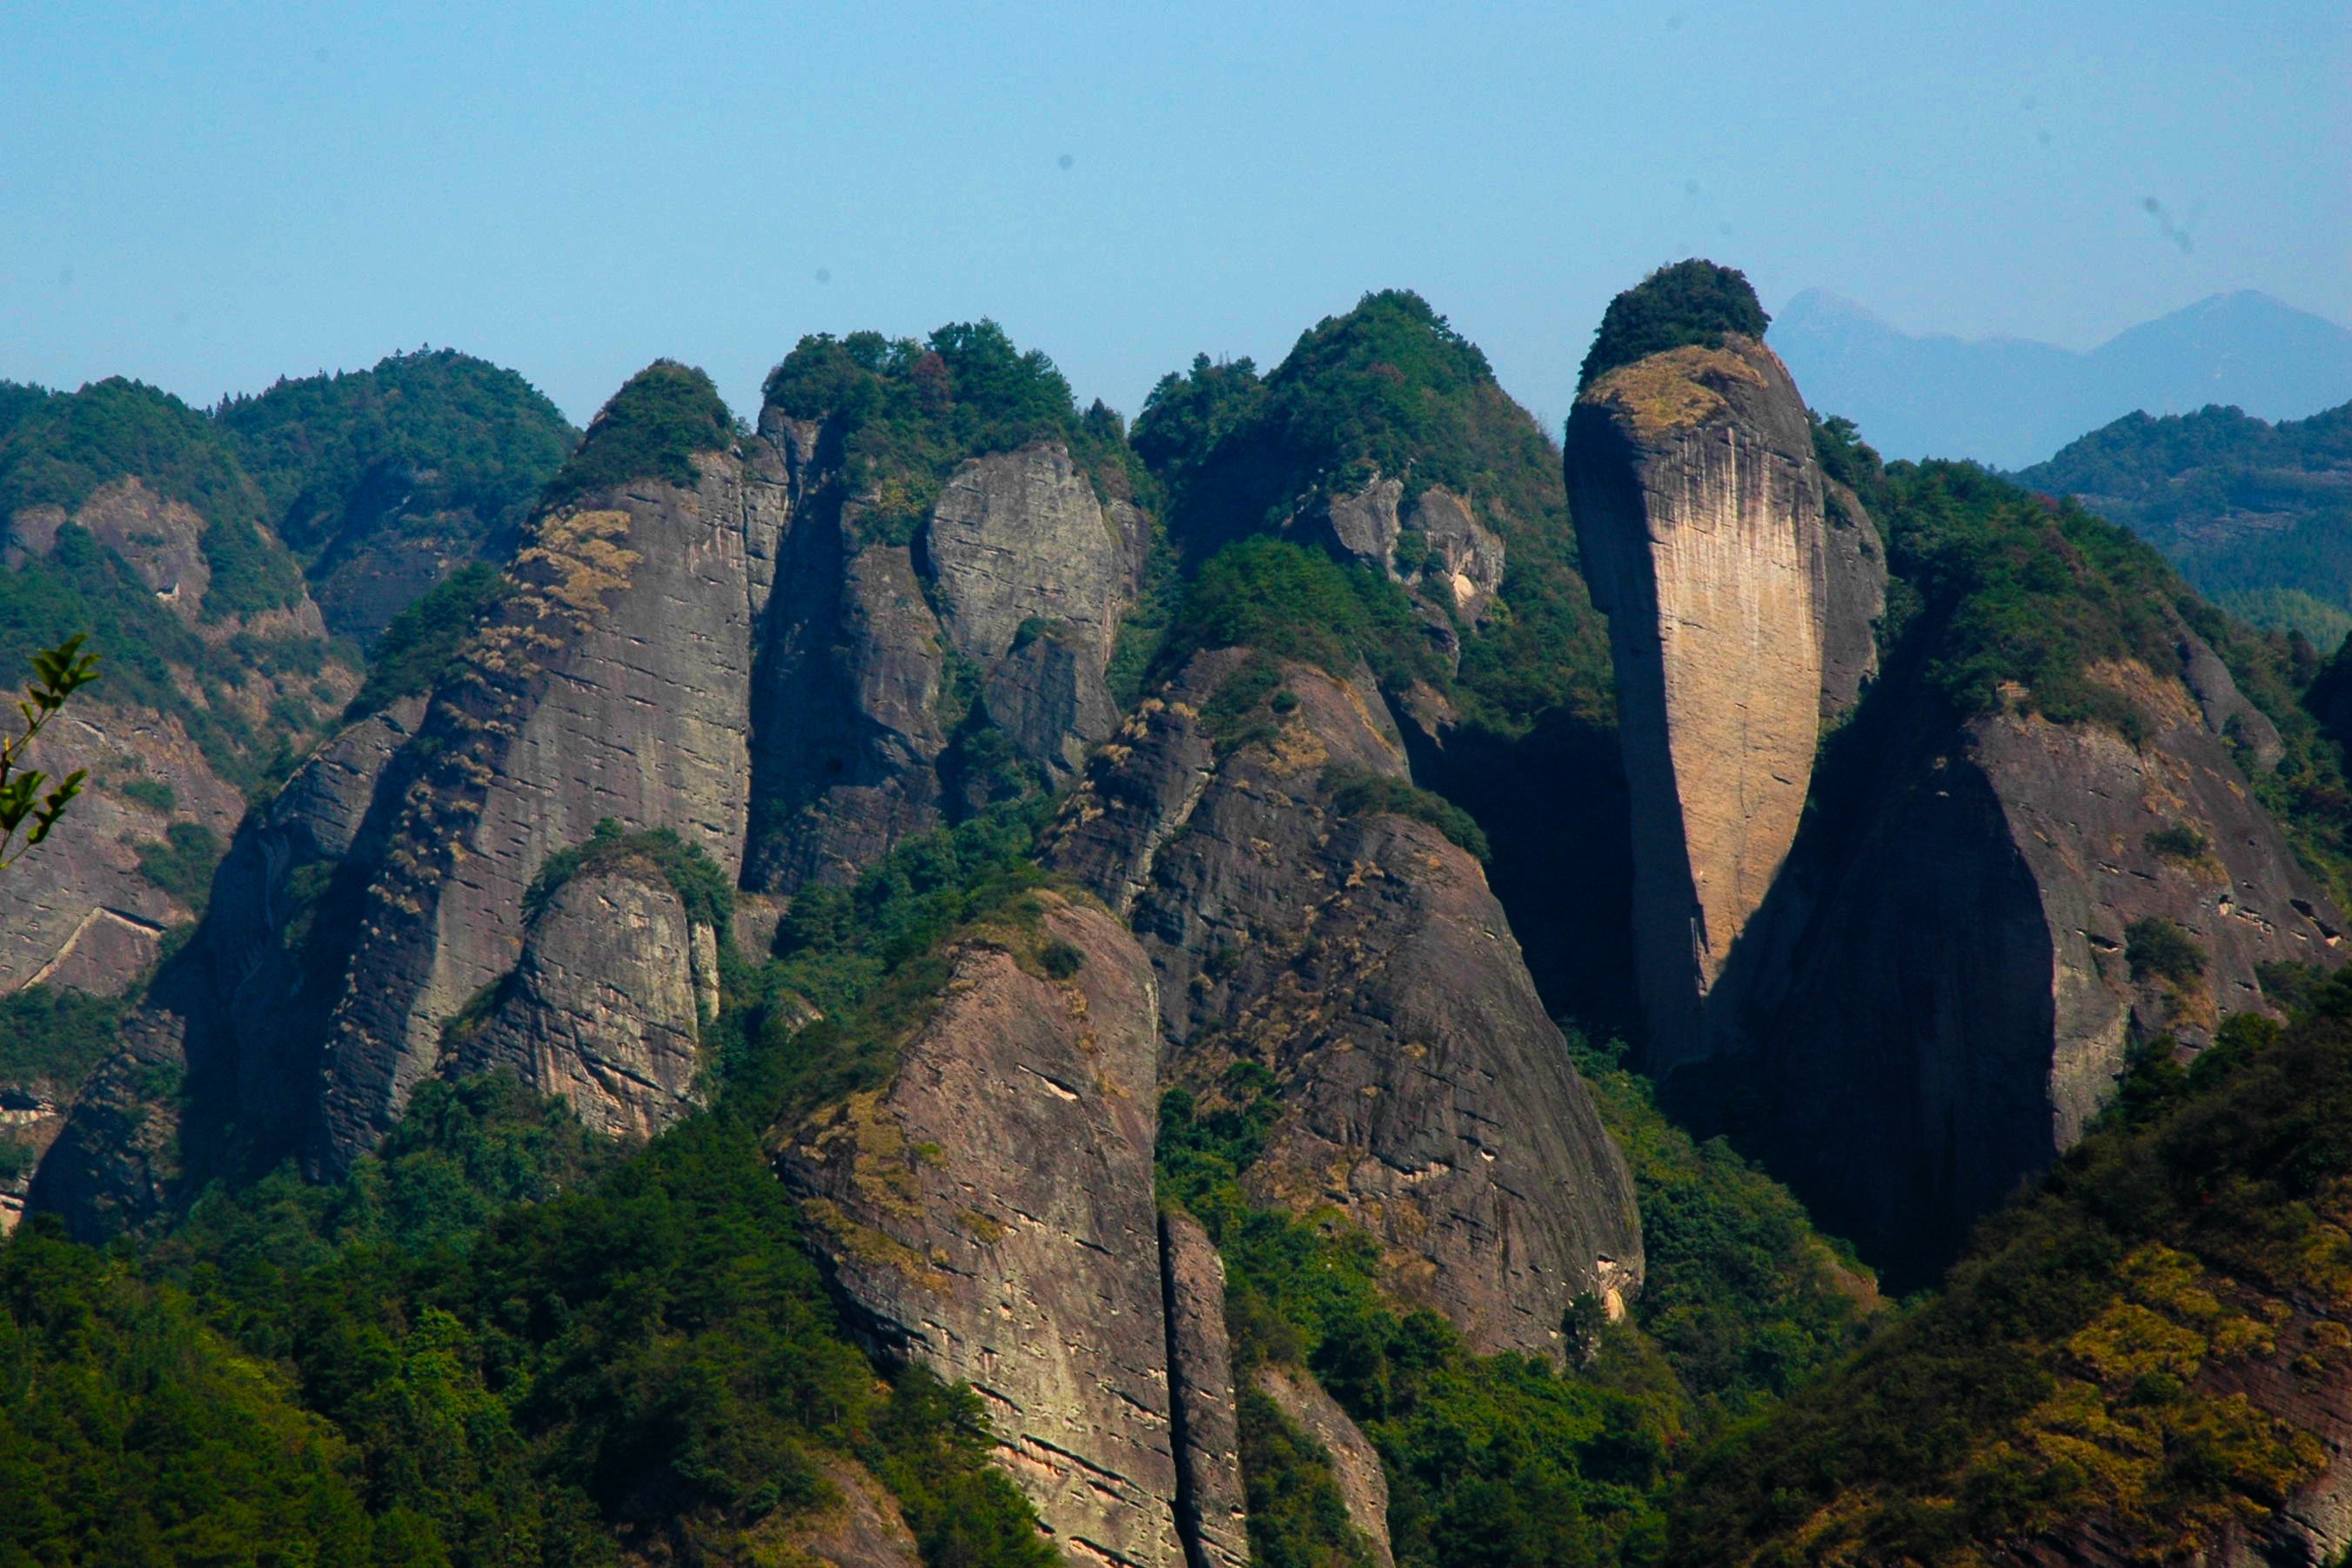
point(1359, 956)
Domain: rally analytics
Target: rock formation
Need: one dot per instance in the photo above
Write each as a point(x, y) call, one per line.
point(1355, 1463)
point(1212, 1508)
point(1434, 539)
point(899, 676)
point(614, 684)
point(1360, 959)
point(990, 1212)
point(1699, 511)
point(1944, 990)
point(607, 1008)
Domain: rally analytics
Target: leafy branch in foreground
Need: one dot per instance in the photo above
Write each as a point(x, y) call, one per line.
point(57, 673)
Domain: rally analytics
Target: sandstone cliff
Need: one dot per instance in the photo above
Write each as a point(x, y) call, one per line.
point(1361, 959)
point(990, 1212)
point(901, 678)
point(607, 1006)
point(1946, 987)
point(615, 683)
point(1699, 508)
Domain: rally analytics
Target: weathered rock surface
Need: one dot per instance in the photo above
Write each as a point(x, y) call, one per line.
point(883, 662)
point(615, 683)
point(1355, 1463)
point(605, 1007)
point(1942, 995)
point(1699, 513)
point(863, 1528)
point(1443, 543)
point(1211, 1505)
point(990, 1212)
point(1854, 562)
point(1364, 962)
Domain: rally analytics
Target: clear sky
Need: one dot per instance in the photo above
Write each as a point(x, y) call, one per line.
point(206, 195)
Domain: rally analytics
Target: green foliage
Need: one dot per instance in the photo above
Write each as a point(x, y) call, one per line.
point(57, 673)
point(184, 863)
point(2176, 842)
point(1745, 1299)
point(1060, 961)
point(866, 958)
point(453, 435)
point(2073, 1369)
point(1687, 303)
point(650, 430)
point(2254, 514)
point(910, 411)
point(51, 1038)
point(1292, 602)
point(700, 885)
point(420, 645)
point(152, 793)
point(1390, 388)
point(2158, 947)
point(64, 449)
point(250, 574)
point(1297, 1516)
point(1187, 416)
point(1360, 790)
point(130, 1433)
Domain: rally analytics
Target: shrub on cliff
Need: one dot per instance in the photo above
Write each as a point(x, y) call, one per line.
point(1693, 301)
point(650, 430)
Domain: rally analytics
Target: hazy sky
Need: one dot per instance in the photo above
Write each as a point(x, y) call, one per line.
point(205, 195)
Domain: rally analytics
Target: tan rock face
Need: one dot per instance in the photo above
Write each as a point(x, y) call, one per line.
point(1699, 511)
point(990, 1214)
point(604, 1008)
point(1214, 1508)
point(1355, 1463)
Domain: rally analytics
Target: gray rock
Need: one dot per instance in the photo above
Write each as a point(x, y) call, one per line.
point(1355, 1463)
point(1363, 960)
point(604, 1007)
point(990, 1214)
point(1211, 1504)
point(1854, 562)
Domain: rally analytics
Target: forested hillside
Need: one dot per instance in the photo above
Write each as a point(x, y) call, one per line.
point(2256, 515)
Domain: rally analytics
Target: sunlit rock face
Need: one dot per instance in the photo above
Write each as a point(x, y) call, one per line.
point(1699, 513)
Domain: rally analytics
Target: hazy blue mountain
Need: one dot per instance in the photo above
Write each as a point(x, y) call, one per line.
point(2009, 402)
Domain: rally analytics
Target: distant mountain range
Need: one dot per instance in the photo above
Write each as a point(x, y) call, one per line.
point(2009, 402)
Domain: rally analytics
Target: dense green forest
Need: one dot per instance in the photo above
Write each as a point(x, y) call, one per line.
point(2257, 516)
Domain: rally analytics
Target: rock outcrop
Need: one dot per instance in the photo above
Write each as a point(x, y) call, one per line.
point(615, 683)
point(907, 662)
point(1948, 980)
point(990, 1212)
point(1436, 539)
point(606, 1006)
point(1355, 1463)
point(1211, 1507)
point(1699, 511)
point(1362, 959)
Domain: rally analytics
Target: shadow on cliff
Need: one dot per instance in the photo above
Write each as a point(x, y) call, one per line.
point(1553, 805)
point(1875, 1027)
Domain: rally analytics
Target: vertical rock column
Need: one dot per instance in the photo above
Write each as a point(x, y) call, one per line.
point(1699, 514)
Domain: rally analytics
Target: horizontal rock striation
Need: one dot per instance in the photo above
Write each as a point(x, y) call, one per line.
point(990, 1214)
point(1363, 960)
point(1699, 513)
point(1211, 1505)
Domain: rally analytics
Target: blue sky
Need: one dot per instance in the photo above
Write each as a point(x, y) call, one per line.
point(207, 196)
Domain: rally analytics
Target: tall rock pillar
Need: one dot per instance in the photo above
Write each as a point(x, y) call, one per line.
point(1699, 513)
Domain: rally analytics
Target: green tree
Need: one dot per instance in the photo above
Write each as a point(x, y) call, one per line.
point(57, 673)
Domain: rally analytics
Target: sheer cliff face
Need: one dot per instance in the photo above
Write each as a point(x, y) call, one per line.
point(1363, 960)
point(990, 1214)
point(898, 677)
point(1942, 994)
point(617, 683)
point(1699, 513)
point(607, 1006)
